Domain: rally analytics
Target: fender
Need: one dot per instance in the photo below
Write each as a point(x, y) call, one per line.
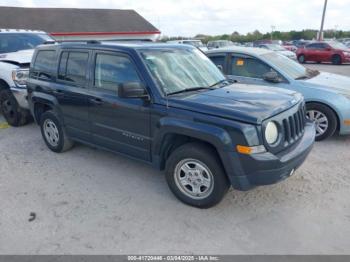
point(215, 136)
point(46, 99)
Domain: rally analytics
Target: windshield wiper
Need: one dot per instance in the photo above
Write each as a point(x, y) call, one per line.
point(221, 82)
point(188, 90)
point(302, 77)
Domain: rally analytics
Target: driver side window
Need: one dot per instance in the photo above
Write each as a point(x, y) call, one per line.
point(248, 67)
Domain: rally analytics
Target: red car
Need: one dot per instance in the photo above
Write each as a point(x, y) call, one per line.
point(333, 52)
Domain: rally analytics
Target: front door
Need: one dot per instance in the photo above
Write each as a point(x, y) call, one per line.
point(119, 124)
point(247, 70)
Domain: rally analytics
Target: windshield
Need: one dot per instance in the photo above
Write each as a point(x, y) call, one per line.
point(180, 69)
point(276, 48)
point(337, 45)
point(13, 42)
point(291, 68)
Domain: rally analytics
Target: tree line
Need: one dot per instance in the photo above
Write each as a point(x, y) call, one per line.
point(307, 34)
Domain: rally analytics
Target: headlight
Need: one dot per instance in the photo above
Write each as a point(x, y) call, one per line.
point(20, 76)
point(271, 133)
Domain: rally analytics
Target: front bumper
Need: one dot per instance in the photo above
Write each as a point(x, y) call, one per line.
point(21, 96)
point(248, 171)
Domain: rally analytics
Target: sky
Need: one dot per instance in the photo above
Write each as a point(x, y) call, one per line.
point(214, 17)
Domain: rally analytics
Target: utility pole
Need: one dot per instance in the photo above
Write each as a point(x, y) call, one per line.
point(320, 34)
point(272, 29)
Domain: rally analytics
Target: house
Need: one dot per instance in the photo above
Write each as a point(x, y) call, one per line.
point(80, 24)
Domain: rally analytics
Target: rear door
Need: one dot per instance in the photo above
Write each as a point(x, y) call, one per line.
point(119, 124)
point(324, 52)
point(71, 92)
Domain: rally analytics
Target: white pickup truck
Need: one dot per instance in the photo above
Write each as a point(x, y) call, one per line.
point(16, 51)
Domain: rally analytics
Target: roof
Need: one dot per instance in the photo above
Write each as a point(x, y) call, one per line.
point(73, 20)
point(22, 31)
point(243, 50)
point(117, 45)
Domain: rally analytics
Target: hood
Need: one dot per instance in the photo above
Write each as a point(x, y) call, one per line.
point(19, 57)
point(246, 103)
point(333, 82)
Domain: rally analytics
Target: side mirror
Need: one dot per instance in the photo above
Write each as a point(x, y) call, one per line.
point(272, 77)
point(132, 90)
point(220, 68)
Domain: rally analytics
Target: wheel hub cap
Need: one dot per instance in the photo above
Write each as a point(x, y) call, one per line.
point(320, 120)
point(51, 132)
point(194, 178)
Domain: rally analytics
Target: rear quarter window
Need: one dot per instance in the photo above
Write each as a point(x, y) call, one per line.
point(44, 64)
point(44, 60)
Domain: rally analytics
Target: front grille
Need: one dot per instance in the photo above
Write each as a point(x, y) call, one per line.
point(291, 124)
point(294, 126)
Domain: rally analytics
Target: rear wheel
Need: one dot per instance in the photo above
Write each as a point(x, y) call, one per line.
point(53, 133)
point(301, 59)
point(195, 175)
point(324, 118)
point(336, 60)
point(14, 115)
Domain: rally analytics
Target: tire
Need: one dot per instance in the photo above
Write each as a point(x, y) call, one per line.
point(14, 115)
point(53, 133)
point(336, 60)
point(321, 111)
point(202, 164)
point(301, 59)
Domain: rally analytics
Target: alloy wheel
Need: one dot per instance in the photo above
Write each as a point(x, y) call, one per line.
point(194, 178)
point(320, 120)
point(51, 132)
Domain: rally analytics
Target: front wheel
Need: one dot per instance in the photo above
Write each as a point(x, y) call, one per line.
point(195, 175)
point(336, 60)
point(324, 118)
point(14, 115)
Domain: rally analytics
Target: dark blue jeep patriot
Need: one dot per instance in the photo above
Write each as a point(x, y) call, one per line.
point(169, 106)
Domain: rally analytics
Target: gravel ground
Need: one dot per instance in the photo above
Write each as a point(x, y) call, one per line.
point(88, 201)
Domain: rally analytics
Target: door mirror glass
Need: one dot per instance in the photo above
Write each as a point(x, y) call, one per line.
point(272, 77)
point(132, 90)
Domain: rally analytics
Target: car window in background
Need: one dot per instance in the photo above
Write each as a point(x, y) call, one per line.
point(313, 46)
point(193, 43)
point(73, 66)
point(112, 70)
point(13, 42)
point(181, 69)
point(248, 67)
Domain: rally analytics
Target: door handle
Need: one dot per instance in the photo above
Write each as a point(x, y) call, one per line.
point(96, 101)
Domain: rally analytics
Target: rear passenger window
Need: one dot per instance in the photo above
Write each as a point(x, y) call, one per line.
point(112, 70)
point(44, 63)
point(73, 66)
